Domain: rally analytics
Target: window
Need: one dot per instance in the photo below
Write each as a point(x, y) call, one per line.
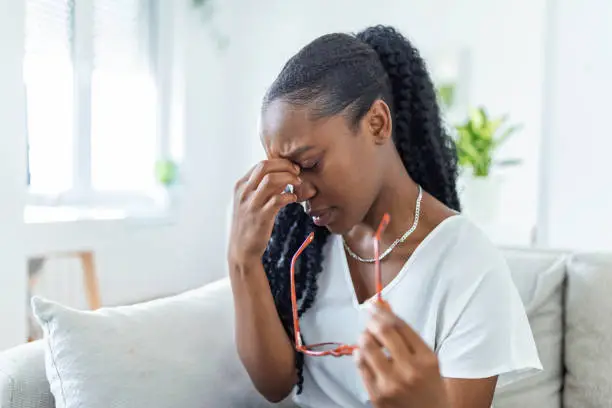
point(93, 102)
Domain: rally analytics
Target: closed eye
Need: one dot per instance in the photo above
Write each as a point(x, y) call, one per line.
point(309, 165)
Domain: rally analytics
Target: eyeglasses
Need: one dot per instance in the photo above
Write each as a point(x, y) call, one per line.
point(332, 348)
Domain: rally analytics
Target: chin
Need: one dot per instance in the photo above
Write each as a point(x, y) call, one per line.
point(338, 227)
point(338, 224)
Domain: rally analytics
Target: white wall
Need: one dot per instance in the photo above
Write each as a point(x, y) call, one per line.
point(504, 38)
point(12, 266)
point(577, 165)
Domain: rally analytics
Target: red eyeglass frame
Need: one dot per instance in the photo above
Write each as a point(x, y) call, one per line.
point(340, 349)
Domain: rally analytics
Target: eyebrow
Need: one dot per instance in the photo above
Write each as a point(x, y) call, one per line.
point(298, 152)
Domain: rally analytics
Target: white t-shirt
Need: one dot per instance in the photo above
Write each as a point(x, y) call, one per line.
point(455, 290)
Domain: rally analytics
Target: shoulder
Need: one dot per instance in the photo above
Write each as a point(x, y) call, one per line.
point(483, 327)
point(468, 248)
point(469, 237)
point(474, 276)
point(469, 262)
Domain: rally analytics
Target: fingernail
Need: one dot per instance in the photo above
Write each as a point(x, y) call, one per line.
point(299, 181)
point(297, 168)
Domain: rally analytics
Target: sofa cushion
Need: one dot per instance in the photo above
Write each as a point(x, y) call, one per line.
point(172, 352)
point(22, 378)
point(539, 277)
point(588, 332)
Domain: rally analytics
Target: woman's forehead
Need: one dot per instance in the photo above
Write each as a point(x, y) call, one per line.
point(281, 119)
point(290, 145)
point(287, 128)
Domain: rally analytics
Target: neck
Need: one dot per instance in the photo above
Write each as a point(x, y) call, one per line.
point(397, 198)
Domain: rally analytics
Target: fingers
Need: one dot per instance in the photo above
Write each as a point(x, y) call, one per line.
point(275, 203)
point(270, 166)
point(412, 339)
point(241, 183)
point(257, 198)
point(370, 350)
point(366, 372)
point(410, 367)
point(271, 185)
point(386, 330)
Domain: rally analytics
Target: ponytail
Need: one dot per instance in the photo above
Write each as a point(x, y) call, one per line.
point(428, 154)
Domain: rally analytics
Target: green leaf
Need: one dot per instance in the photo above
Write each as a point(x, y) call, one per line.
point(477, 117)
point(166, 172)
point(494, 125)
point(478, 138)
point(470, 152)
point(508, 162)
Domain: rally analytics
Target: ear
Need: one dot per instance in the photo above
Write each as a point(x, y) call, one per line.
point(378, 122)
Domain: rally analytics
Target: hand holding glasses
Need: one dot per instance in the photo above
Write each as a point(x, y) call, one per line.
point(333, 348)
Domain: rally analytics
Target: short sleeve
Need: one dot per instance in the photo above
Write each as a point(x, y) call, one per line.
point(486, 331)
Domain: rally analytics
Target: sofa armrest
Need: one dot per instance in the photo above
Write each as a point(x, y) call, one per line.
point(23, 382)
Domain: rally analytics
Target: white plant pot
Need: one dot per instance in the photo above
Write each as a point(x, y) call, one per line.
point(167, 197)
point(481, 197)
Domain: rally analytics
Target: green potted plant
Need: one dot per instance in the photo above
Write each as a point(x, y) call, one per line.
point(168, 183)
point(166, 172)
point(478, 140)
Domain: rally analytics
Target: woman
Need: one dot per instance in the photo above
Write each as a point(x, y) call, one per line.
point(352, 124)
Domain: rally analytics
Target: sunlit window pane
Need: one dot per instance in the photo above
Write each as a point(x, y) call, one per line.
point(124, 113)
point(123, 131)
point(49, 92)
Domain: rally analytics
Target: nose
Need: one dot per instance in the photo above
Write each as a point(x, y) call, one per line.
point(305, 191)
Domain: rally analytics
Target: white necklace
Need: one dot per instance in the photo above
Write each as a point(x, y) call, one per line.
point(417, 213)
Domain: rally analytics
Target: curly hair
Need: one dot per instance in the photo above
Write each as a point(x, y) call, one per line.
point(344, 74)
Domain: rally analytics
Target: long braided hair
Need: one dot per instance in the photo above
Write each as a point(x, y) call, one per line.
point(342, 73)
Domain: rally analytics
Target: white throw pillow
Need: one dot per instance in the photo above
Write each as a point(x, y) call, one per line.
point(168, 353)
point(588, 332)
point(540, 279)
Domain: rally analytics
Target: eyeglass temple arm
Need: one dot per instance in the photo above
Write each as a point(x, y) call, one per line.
point(296, 320)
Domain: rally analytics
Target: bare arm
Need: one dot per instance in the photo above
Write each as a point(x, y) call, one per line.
point(470, 393)
point(263, 345)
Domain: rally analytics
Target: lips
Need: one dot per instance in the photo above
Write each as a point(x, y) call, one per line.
point(321, 217)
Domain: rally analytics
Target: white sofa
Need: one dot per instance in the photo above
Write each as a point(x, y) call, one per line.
point(569, 302)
